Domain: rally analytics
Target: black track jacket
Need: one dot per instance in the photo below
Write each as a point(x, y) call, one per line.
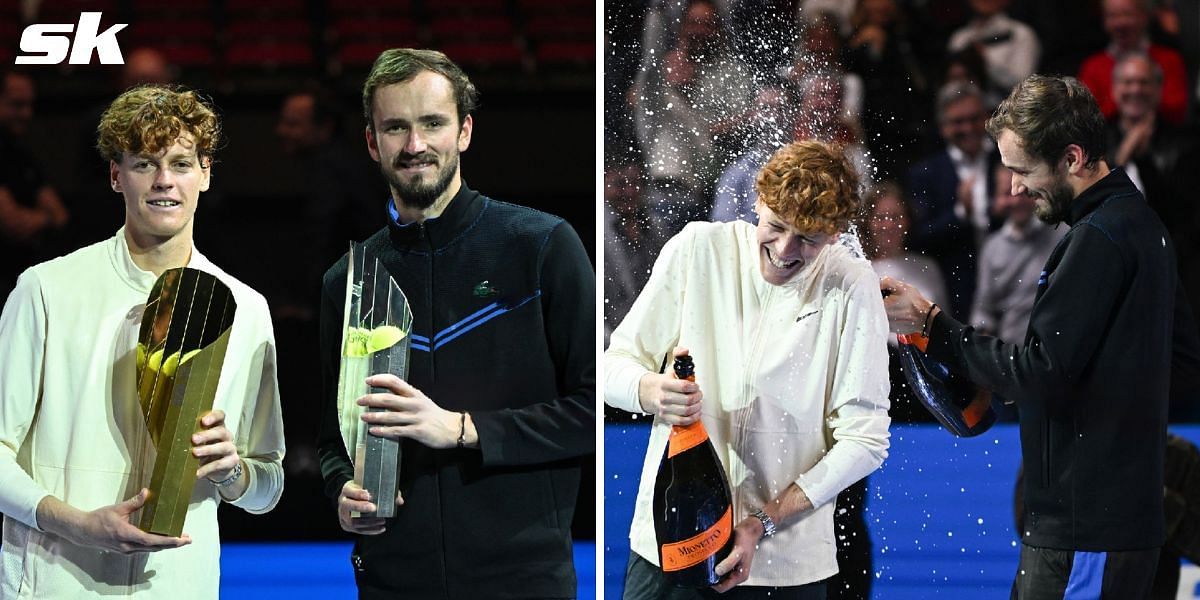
point(503, 303)
point(1091, 381)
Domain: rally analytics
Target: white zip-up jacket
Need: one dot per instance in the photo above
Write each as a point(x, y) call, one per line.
point(71, 426)
point(794, 377)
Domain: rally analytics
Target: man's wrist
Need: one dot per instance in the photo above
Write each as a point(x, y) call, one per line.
point(766, 525)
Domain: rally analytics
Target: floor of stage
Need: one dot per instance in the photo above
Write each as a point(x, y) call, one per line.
point(322, 570)
point(940, 512)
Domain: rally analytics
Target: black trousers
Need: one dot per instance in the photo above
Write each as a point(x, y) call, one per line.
point(644, 581)
point(1047, 574)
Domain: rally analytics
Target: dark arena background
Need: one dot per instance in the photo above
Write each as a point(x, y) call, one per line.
point(270, 221)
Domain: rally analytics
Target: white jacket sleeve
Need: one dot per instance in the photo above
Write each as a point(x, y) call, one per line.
point(651, 327)
point(22, 348)
point(260, 434)
point(857, 407)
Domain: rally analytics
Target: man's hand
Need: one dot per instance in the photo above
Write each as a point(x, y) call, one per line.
point(355, 499)
point(966, 196)
point(675, 401)
point(214, 446)
point(906, 308)
point(107, 528)
point(735, 569)
point(409, 413)
point(1135, 142)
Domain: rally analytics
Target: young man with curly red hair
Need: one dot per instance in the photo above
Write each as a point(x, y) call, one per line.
point(73, 440)
point(790, 339)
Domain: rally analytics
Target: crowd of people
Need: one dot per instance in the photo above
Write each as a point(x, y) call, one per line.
point(905, 87)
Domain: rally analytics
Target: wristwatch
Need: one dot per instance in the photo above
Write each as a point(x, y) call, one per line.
point(767, 522)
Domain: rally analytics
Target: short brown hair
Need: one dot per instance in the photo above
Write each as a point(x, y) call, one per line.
point(399, 65)
point(811, 185)
point(148, 119)
point(1049, 113)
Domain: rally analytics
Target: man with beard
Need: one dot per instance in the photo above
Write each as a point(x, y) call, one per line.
point(498, 408)
point(1092, 379)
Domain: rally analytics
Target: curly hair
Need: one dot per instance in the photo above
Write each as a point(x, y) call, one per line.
point(811, 185)
point(148, 119)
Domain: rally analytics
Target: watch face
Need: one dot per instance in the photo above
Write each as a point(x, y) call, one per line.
point(767, 523)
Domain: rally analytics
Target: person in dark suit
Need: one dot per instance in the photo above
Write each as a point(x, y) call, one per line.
point(952, 190)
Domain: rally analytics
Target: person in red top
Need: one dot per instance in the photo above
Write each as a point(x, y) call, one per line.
point(1127, 22)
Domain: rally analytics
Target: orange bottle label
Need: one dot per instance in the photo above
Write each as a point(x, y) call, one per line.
point(978, 408)
point(915, 339)
point(686, 437)
point(698, 548)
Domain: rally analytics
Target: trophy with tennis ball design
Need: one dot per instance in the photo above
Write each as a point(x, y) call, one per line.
point(375, 341)
point(181, 348)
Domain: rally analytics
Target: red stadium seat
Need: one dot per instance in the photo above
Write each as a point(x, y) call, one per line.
point(561, 26)
point(485, 54)
point(472, 28)
point(558, 53)
point(290, 30)
point(361, 54)
point(169, 31)
point(358, 29)
point(269, 55)
point(188, 55)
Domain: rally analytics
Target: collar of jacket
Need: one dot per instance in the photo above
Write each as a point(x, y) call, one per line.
point(1115, 183)
point(460, 213)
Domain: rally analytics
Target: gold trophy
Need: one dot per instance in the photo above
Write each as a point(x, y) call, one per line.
point(375, 341)
point(181, 347)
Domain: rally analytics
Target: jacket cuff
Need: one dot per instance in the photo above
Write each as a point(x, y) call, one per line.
point(944, 333)
point(263, 488)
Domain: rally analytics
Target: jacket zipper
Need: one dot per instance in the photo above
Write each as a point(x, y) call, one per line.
point(753, 359)
point(423, 233)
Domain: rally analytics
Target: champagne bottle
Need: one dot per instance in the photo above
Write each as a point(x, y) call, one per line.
point(693, 508)
point(962, 407)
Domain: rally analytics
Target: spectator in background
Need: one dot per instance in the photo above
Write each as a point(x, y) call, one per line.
point(967, 65)
point(820, 117)
point(341, 198)
point(31, 212)
point(952, 192)
point(772, 128)
point(888, 219)
point(896, 89)
point(886, 223)
point(1127, 24)
point(688, 100)
point(1153, 154)
point(1009, 47)
point(146, 65)
point(819, 49)
point(630, 240)
point(839, 10)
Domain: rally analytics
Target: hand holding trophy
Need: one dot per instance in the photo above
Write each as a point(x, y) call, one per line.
point(375, 341)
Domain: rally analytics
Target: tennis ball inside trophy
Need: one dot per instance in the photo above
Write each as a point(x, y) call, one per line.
point(384, 337)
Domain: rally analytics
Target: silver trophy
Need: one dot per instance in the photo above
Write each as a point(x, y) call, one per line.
point(375, 340)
